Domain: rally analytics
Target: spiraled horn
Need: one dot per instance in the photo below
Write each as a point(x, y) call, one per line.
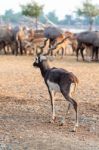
point(54, 47)
point(41, 47)
point(39, 52)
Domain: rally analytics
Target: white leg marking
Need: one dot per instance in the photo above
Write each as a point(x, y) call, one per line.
point(53, 105)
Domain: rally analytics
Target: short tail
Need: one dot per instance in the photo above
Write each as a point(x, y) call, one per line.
point(75, 81)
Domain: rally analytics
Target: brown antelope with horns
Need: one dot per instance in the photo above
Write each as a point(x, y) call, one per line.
point(60, 43)
point(61, 46)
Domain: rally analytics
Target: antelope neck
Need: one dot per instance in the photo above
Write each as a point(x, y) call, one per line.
point(44, 67)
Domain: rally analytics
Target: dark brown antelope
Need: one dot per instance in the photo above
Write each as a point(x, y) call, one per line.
point(57, 80)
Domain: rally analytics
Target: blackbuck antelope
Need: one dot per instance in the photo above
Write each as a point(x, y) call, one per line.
point(57, 80)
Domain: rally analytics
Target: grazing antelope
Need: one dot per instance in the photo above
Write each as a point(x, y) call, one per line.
point(57, 80)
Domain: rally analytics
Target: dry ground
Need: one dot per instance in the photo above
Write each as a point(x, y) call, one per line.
point(25, 109)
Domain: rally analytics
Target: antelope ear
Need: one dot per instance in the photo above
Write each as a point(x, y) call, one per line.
point(50, 58)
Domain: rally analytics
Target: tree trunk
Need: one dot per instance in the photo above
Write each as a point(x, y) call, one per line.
point(91, 22)
point(36, 23)
point(90, 27)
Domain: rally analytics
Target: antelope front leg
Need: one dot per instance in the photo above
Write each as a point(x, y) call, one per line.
point(53, 106)
point(52, 97)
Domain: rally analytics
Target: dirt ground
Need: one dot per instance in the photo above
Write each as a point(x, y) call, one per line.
point(25, 109)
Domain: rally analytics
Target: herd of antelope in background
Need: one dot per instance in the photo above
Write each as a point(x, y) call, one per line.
point(20, 40)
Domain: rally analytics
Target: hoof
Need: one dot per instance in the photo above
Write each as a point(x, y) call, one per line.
point(52, 120)
point(62, 122)
point(72, 130)
point(75, 128)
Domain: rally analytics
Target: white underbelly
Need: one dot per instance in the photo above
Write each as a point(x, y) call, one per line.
point(53, 86)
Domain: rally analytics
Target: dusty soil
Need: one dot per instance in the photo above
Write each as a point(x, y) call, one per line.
point(25, 109)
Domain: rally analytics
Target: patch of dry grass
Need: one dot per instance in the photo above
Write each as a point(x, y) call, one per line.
point(25, 108)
